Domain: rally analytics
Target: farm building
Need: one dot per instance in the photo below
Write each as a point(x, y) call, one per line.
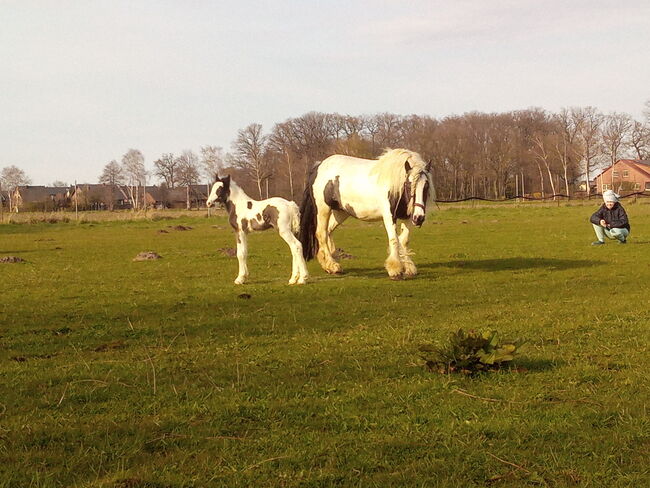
point(46, 198)
point(626, 175)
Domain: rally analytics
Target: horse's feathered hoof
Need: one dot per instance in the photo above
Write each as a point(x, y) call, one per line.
point(397, 277)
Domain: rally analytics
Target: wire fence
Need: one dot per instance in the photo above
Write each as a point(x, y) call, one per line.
point(547, 198)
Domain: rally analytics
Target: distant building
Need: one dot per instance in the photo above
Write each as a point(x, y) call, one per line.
point(45, 198)
point(626, 175)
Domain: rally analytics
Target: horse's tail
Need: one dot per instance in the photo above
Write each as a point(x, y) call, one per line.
point(308, 215)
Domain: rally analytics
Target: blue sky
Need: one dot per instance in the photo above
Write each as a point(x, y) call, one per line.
point(83, 81)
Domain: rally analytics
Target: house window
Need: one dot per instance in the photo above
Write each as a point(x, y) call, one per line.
point(615, 174)
point(637, 186)
point(626, 173)
point(647, 186)
point(607, 187)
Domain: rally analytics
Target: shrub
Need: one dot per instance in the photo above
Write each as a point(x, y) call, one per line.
point(470, 352)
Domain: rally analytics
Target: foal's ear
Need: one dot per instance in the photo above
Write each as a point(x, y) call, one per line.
point(407, 166)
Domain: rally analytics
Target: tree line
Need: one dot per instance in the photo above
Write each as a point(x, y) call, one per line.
point(487, 155)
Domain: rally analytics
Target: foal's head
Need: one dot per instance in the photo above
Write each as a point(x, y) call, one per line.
point(220, 191)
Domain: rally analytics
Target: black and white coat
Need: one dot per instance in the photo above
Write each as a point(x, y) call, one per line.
point(246, 214)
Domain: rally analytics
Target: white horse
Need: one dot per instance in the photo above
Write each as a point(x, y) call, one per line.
point(394, 187)
point(246, 214)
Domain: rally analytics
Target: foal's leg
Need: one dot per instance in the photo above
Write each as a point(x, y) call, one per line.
point(393, 263)
point(404, 251)
point(242, 254)
point(299, 272)
point(324, 255)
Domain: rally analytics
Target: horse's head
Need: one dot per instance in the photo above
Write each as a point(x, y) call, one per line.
point(220, 191)
point(419, 181)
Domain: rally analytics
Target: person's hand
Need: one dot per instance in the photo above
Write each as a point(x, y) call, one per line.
point(603, 223)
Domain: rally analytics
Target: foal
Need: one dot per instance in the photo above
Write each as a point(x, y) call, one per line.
point(246, 214)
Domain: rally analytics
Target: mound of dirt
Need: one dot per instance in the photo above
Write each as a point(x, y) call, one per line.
point(180, 227)
point(228, 251)
point(146, 256)
point(163, 231)
point(11, 259)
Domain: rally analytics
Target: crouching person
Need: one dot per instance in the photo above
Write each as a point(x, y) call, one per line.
point(610, 220)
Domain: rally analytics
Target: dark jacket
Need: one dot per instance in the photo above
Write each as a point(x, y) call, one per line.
point(616, 218)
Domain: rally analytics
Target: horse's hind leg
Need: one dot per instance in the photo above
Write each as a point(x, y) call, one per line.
point(299, 272)
point(324, 255)
point(404, 252)
point(336, 219)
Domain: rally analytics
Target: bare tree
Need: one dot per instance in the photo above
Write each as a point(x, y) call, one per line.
point(249, 154)
point(640, 139)
point(12, 177)
point(616, 131)
point(569, 124)
point(188, 173)
point(135, 174)
point(112, 174)
point(166, 169)
point(589, 135)
point(211, 161)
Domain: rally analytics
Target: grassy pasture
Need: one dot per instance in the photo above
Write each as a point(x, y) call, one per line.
point(116, 373)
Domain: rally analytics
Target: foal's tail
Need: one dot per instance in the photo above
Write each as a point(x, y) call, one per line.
point(308, 214)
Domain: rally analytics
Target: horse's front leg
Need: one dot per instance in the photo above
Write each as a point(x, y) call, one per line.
point(242, 254)
point(393, 263)
point(405, 254)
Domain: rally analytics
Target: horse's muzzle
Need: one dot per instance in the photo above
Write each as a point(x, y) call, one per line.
point(418, 220)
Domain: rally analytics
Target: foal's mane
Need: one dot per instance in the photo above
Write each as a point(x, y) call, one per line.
point(391, 172)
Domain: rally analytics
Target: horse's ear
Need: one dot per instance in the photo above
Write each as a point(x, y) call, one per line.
point(216, 177)
point(429, 165)
point(407, 166)
point(226, 181)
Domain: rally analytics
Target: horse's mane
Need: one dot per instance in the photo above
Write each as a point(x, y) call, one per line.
point(391, 172)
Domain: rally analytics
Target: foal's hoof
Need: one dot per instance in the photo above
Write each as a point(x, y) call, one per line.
point(397, 277)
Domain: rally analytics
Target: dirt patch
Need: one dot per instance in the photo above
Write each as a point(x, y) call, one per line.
point(244, 296)
point(163, 231)
point(11, 259)
point(110, 346)
point(180, 227)
point(228, 251)
point(146, 256)
point(341, 254)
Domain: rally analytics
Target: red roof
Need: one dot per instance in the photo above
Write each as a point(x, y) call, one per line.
point(641, 166)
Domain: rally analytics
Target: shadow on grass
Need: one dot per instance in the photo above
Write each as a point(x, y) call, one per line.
point(515, 264)
point(537, 365)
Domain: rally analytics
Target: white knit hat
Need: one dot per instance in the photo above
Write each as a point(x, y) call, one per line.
point(610, 196)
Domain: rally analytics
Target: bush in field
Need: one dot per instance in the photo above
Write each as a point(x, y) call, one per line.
point(470, 352)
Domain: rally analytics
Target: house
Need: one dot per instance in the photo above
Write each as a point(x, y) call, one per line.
point(89, 196)
point(41, 198)
point(625, 175)
point(194, 196)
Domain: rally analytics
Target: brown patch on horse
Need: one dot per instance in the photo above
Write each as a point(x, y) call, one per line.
point(249, 205)
point(232, 215)
point(270, 215)
point(332, 194)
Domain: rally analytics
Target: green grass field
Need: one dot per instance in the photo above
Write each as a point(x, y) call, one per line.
point(115, 373)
